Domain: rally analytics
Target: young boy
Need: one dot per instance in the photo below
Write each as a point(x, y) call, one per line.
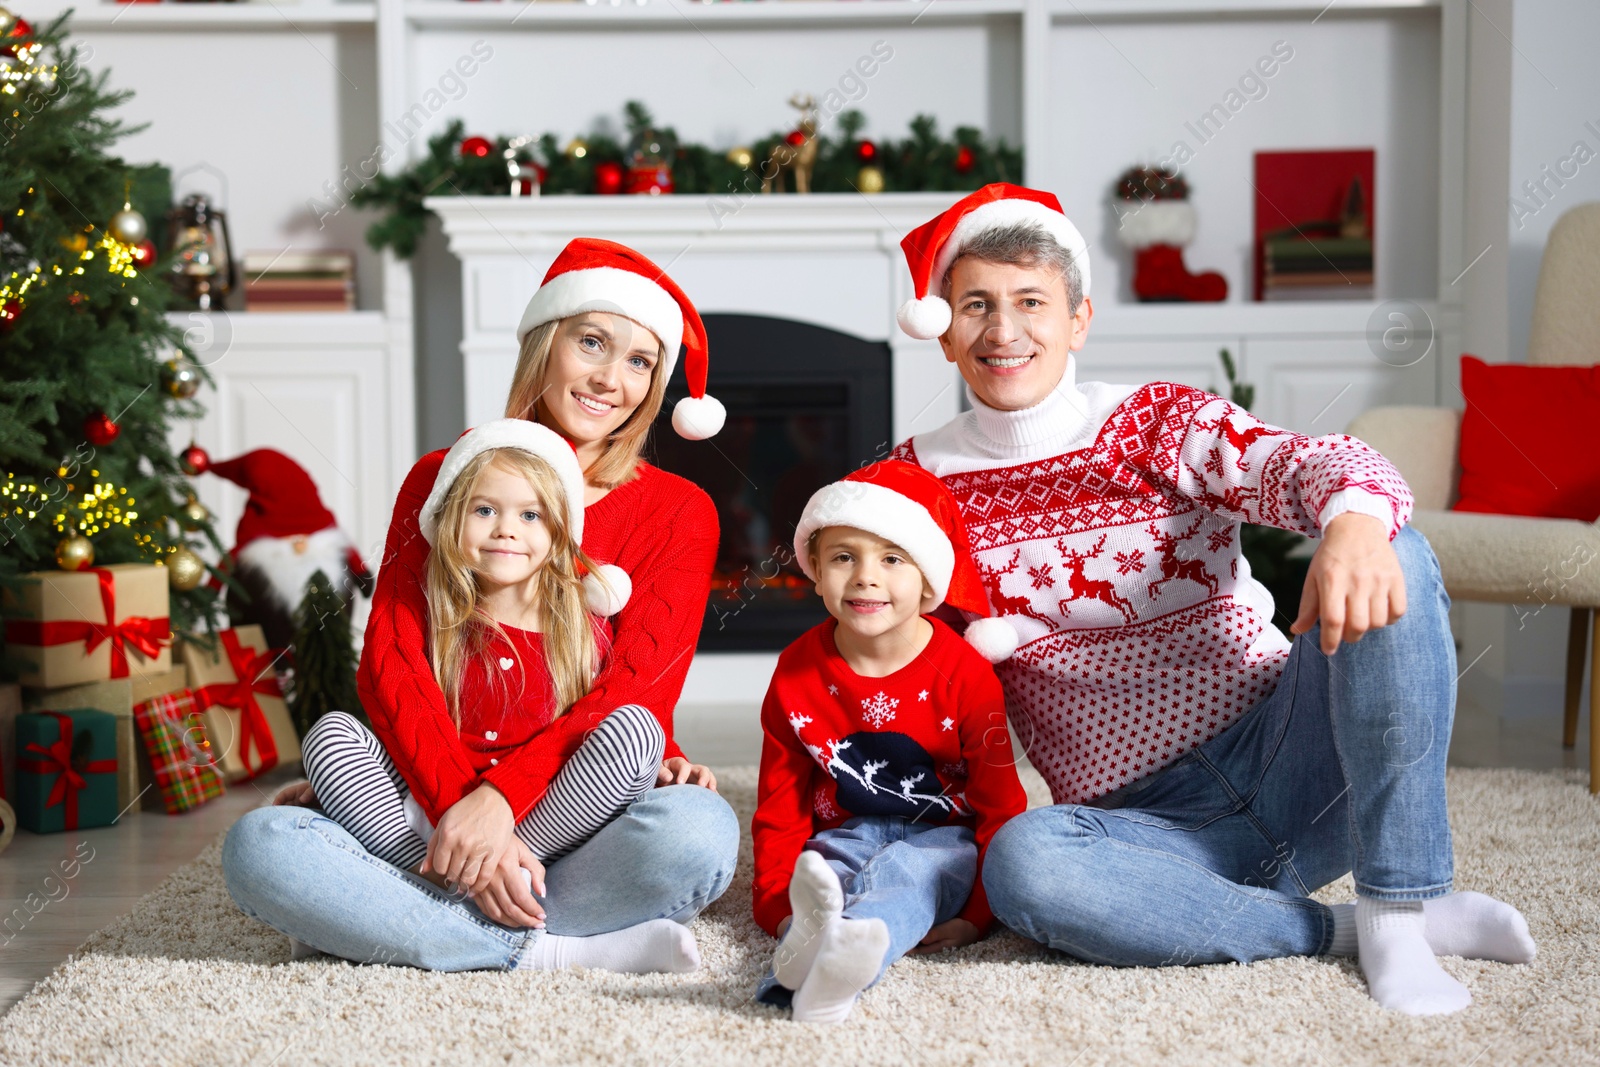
point(886, 765)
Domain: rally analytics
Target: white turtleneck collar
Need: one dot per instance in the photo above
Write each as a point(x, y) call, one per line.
point(1047, 428)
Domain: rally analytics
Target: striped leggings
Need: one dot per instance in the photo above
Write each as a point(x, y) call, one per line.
point(357, 785)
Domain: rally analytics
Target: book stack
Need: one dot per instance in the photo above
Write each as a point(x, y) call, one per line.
point(300, 281)
point(1316, 268)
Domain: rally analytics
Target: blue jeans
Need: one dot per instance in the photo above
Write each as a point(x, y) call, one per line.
point(1211, 859)
point(667, 856)
point(911, 875)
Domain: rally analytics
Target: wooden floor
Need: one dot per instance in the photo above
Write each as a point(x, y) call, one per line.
point(130, 859)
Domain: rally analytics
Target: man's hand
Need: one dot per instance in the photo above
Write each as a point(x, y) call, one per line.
point(297, 794)
point(957, 933)
point(507, 900)
point(1355, 583)
point(471, 839)
point(677, 771)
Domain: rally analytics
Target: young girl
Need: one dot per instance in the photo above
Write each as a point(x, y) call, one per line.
point(516, 635)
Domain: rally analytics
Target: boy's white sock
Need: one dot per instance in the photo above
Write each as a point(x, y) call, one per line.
point(848, 957)
point(816, 899)
point(657, 945)
point(1469, 924)
point(1402, 974)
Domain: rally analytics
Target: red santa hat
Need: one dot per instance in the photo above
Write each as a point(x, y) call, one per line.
point(902, 503)
point(595, 275)
point(933, 246)
point(608, 588)
point(283, 500)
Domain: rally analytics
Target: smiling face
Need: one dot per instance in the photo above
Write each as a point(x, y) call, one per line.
point(599, 371)
point(1012, 330)
point(870, 585)
point(505, 536)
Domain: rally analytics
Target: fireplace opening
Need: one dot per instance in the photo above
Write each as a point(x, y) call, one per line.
point(806, 406)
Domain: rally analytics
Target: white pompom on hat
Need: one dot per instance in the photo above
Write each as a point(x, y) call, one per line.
point(902, 503)
point(607, 588)
point(595, 275)
point(933, 246)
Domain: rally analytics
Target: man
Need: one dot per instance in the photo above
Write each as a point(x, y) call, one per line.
point(1207, 773)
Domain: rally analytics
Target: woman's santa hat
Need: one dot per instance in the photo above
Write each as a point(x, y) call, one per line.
point(595, 275)
point(933, 246)
point(902, 503)
point(608, 587)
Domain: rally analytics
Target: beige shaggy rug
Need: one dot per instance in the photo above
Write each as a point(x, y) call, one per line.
point(186, 978)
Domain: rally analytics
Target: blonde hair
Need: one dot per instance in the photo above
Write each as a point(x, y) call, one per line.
point(619, 462)
point(459, 627)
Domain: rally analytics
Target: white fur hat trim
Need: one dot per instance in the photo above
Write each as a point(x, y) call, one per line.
point(508, 433)
point(884, 512)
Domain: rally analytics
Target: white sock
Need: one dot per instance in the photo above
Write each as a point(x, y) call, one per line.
point(848, 957)
point(816, 899)
point(1402, 974)
point(1344, 930)
point(657, 945)
point(299, 950)
point(1469, 924)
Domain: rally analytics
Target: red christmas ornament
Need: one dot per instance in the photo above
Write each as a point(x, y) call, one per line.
point(476, 146)
point(100, 430)
point(194, 460)
point(20, 31)
point(608, 178)
point(866, 151)
point(9, 314)
point(796, 138)
point(144, 253)
point(965, 159)
point(651, 181)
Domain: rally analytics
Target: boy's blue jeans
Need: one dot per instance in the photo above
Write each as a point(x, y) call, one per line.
point(1340, 768)
point(911, 875)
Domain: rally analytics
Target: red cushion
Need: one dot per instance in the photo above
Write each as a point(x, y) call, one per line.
point(1530, 440)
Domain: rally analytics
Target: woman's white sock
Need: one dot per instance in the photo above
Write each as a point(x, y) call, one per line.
point(848, 957)
point(816, 899)
point(1402, 974)
point(1469, 924)
point(657, 945)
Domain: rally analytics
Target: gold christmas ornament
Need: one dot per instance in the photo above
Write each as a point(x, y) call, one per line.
point(8, 19)
point(75, 553)
point(741, 157)
point(128, 226)
point(194, 514)
point(576, 148)
point(75, 242)
point(869, 180)
point(184, 570)
point(180, 377)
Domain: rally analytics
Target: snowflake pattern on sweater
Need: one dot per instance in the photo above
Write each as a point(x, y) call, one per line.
point(1106, 530)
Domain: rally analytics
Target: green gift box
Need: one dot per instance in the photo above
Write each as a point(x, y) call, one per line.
point(66, 770)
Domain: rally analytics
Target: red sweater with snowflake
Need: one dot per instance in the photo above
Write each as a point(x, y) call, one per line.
point(927, 743)
point(660, 528)
point(1105, 522)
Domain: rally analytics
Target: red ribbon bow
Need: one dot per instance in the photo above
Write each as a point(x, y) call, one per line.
point(144, 634)
point(252, 675)
point(57, 760)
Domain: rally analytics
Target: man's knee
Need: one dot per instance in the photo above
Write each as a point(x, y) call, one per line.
point(1026, 866)
point(1417, 561)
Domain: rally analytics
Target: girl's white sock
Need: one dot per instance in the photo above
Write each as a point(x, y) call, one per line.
point(1402, 974)
point(848, 957)
point(657, 945)
point(816, 899)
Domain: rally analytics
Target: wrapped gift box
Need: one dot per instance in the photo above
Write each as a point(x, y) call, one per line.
point(179, 754)
point(70, 627)
point(10, 708)
point(245, 716)
point(66, 770)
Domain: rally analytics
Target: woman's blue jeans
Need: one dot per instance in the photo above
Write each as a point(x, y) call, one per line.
point(1340, 768)
point(668, 856)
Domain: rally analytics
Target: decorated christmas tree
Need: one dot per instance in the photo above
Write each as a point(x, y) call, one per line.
point(324, 656)
point(94, 373)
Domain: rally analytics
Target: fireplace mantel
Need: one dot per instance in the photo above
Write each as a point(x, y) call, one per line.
point(832, 259)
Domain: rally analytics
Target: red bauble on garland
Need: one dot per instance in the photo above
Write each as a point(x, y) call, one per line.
point(966, 158)
point(476, 146)
point(20, 31)
point(9, 314)
point(608, 178)
point(100, 430)
point(194, 460)
point(866, 151)
point(144, 253)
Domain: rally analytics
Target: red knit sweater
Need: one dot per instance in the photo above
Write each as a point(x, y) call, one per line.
point(927, 743)
point(660, 528)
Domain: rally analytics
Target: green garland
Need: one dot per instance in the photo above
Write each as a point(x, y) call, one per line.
point(922, 161)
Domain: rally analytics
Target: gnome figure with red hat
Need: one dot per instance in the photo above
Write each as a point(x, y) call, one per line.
point(285, 536)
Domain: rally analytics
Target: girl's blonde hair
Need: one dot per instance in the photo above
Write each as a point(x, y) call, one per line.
point(619, 463)
point(460, 628)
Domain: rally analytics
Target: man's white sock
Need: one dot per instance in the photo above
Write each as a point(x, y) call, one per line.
point(1402, 974)
point(848, 958)
point(1469, 924)
point(816, 899)
point(657, 945)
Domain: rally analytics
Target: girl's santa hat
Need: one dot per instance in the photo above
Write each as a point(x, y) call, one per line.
point(933, 246)
point(283, 503)
point(608, 587)
point(902, 503)
point(595, 275)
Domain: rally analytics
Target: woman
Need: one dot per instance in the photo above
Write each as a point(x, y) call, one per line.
point(598, 343)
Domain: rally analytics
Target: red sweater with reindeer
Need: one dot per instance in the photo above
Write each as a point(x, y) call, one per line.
point(1105, 521)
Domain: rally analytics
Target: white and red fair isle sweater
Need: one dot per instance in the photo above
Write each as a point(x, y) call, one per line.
point(1105, 521)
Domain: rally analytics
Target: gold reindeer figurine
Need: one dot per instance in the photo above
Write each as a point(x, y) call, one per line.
point(799, 158)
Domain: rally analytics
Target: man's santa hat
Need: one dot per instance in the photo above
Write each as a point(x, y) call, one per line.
point(933, 246)
point(595, 275)
point(902, 503)
point(607, 589)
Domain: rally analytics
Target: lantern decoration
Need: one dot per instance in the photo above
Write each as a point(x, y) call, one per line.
point(527, 177)
point(99, 430)
point(202, 271)
point(649, 169)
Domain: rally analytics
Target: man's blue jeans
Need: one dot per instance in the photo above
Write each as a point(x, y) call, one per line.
point(1341, 768)
point(911, 875)
point(668, 856)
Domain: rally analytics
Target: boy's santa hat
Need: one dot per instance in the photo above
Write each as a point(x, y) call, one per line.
point(595, 275)
point(933, 246)
point(606, 589)
point(902, 503)
point(283, 503)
